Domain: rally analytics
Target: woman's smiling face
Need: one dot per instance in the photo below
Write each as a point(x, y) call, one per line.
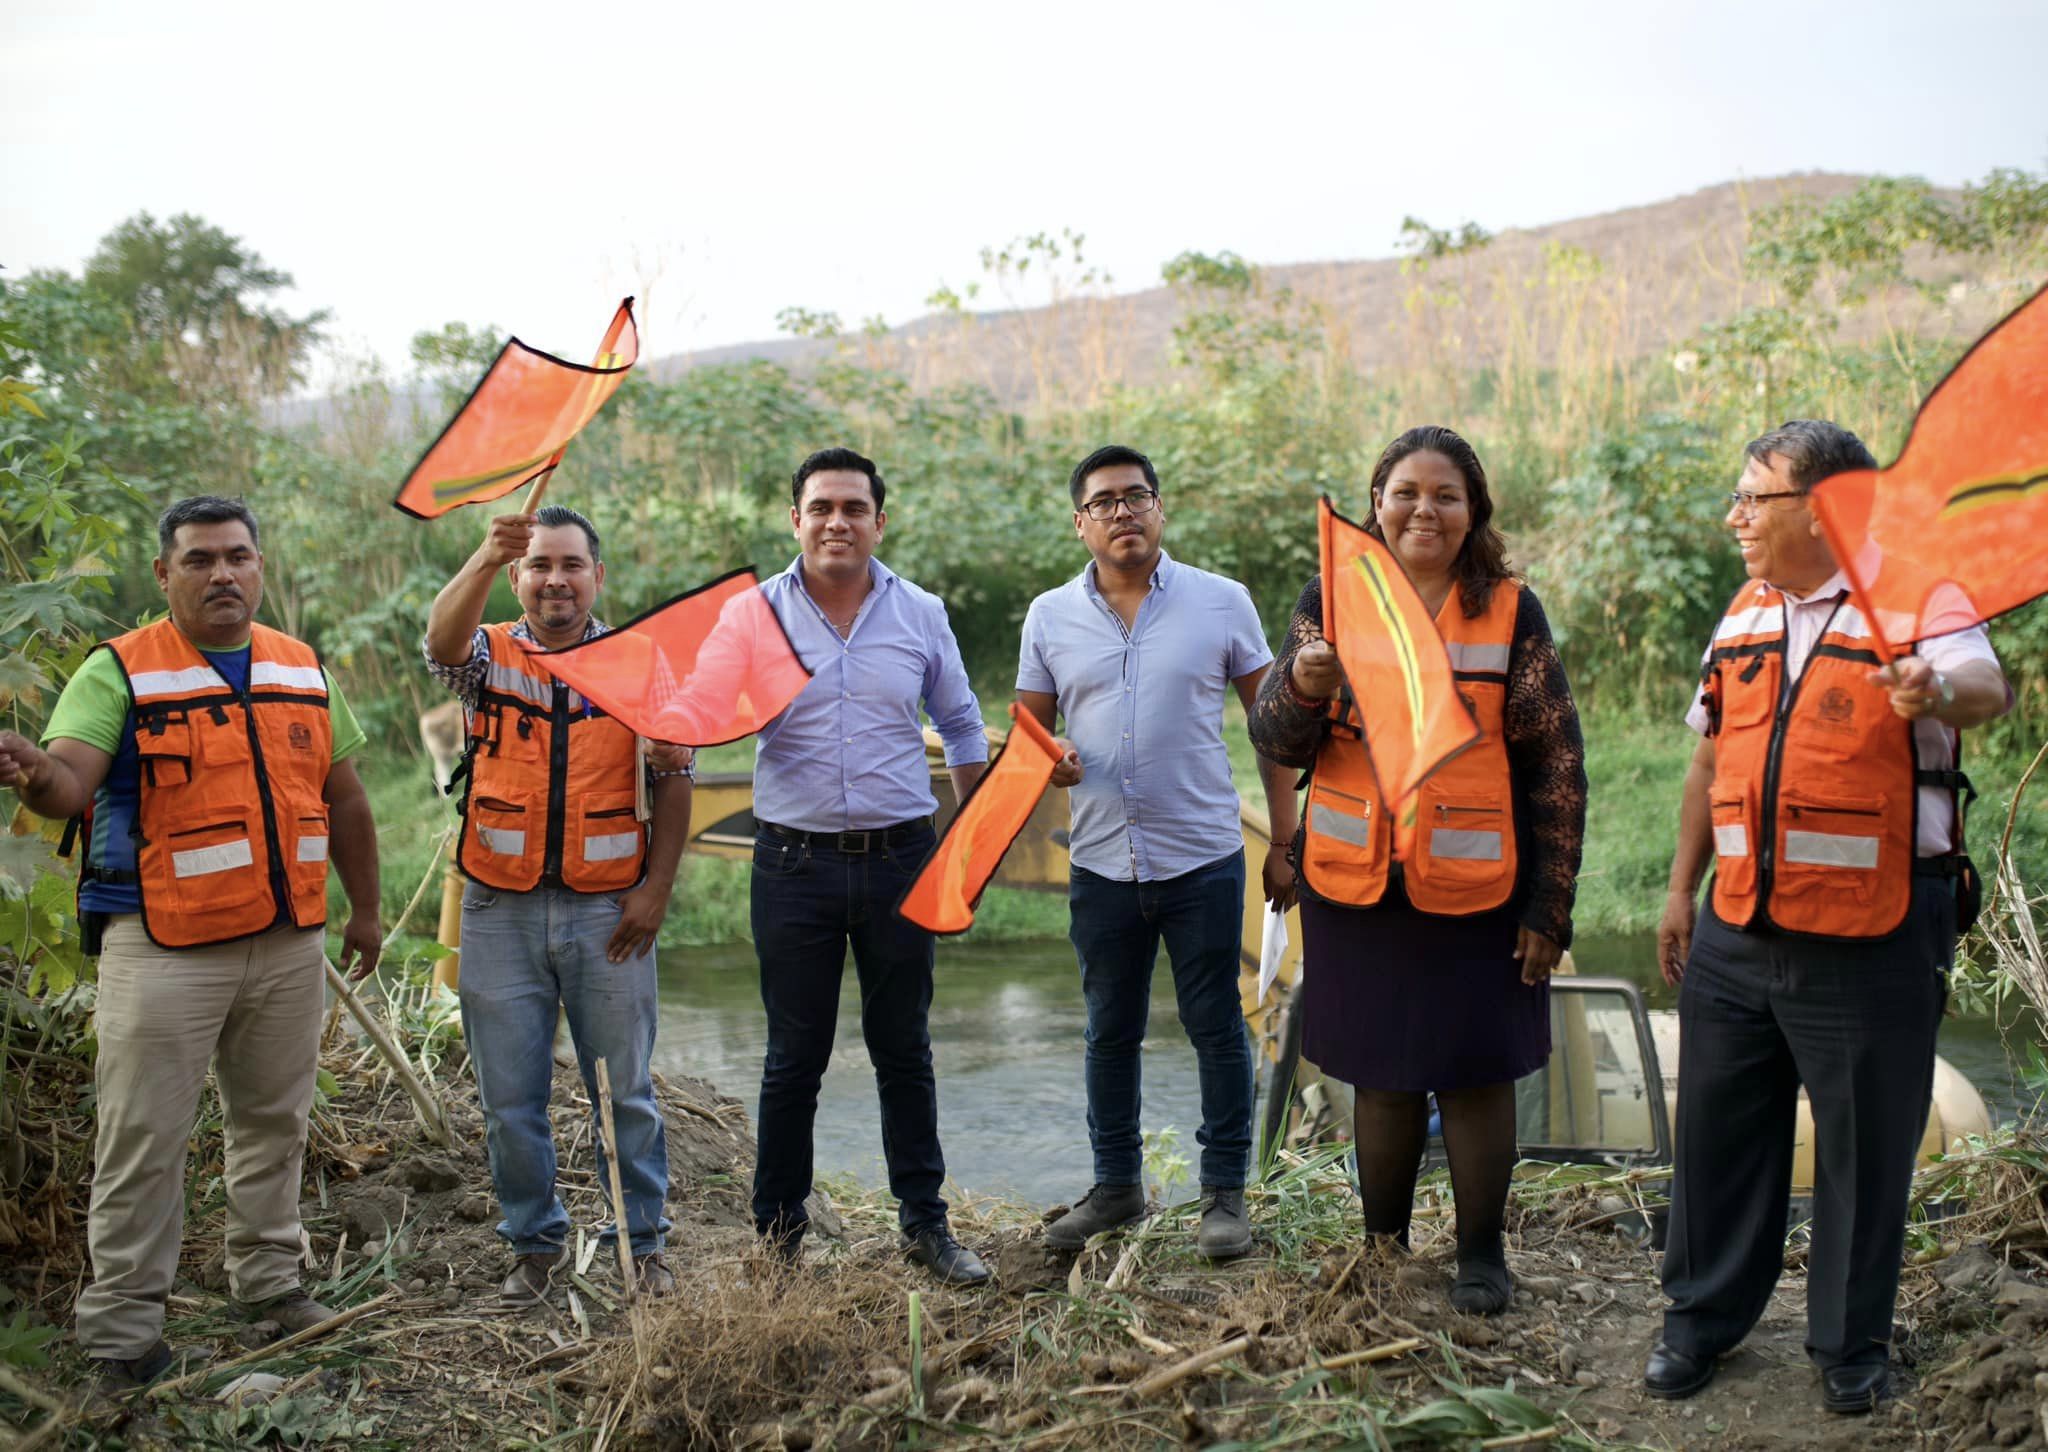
point(1424, 513)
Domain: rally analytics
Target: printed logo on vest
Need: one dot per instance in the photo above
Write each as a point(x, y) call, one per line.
point(1837, 707)
point(301, 736)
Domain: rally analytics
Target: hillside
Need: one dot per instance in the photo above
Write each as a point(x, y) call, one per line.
point(1620, 285)
point(1658, 274)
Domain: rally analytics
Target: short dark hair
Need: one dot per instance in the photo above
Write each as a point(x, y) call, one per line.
point(826, 460)
point(554, 516)
point(1813, 448)
point(203, 509)
point(1107, 457)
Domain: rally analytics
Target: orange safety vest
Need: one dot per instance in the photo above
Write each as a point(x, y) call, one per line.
point(231, 822)
point(1465, 859)
point(1814, 799)
point(550, 790)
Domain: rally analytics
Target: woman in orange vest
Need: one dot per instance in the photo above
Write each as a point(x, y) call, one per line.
point(1431, 975)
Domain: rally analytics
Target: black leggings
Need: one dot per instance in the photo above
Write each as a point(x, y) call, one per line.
point(1392, 1128)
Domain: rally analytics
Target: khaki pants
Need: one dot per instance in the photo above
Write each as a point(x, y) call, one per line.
point(254, 1006)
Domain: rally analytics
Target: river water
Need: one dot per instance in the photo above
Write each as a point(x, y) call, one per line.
point(1007, 1027)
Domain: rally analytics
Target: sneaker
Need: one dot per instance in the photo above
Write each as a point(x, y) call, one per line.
point(1225, 1231)
point(125, 1373)
point(1482, 1287)
point(528, 1283)
point(937, 1251)
point(294, 1310)
point(651, 1275)
point(1104, 1207)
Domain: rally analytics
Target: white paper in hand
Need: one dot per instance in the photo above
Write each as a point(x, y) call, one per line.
point(1272, 949)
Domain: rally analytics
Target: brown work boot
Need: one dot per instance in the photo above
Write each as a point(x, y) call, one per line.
point(294, 1310)
point(652, 1277)
point(115, 1374)
point(528, 1283)
point(1225, 1231)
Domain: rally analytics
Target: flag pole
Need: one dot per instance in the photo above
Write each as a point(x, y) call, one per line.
point(540, 486)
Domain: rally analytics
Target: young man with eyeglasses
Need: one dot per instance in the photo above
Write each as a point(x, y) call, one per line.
point(1825, 797)
point(1136, 653)
point(843, 815)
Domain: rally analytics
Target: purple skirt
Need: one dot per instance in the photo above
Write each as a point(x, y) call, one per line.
point(1396, 999)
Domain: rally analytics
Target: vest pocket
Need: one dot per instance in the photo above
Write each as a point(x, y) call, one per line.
point(213, 867)
point(502, 827)
point(1830, 845)
point(164, 751)
point(1734, 845)
point(602, 852)
point(518, 737)
point(1463, 839)
point(305, 855)
point(1344, 851)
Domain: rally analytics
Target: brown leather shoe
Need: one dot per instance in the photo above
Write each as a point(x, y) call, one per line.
point(528, 1283)
point(294, 1310)
point(114, 1374)
point(652, 1277)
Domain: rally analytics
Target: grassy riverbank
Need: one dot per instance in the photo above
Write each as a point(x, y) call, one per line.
point(1312, 1340)
point(1635, 763)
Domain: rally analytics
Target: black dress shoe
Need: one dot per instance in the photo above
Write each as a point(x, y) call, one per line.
point(1675, 1375)
point(938, 1252)
point(1856, 1388)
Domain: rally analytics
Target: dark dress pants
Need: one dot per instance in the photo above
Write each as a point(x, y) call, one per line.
point(810, 903)
point(1760, 1013)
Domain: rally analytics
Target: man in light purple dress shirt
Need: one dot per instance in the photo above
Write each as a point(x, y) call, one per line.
point(843, 814)
point(1138, 653)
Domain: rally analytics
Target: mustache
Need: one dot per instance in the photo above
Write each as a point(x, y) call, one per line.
point(225, 592)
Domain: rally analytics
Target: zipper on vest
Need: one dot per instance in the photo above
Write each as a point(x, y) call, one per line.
point(558, 779)
point(280, 889)
point(1796, 809)
point(1767, 854)
point(1444, 809)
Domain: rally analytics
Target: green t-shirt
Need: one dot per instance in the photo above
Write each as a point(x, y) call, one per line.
point(95, 705)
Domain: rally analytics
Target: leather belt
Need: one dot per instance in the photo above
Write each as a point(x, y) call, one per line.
point(853, 843)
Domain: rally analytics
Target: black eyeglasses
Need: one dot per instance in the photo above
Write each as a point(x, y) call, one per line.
point(1138, 501)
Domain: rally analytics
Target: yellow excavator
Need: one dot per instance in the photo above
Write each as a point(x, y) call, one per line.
point(1608, 1095)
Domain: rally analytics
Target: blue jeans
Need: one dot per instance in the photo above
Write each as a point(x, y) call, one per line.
point(522, 953)
point(810, 902)
point(1117, 928)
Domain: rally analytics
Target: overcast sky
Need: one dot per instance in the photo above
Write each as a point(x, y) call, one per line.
point(526, 165)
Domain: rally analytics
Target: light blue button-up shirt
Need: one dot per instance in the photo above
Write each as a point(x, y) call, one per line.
point(847, 755)
point(1144, 709)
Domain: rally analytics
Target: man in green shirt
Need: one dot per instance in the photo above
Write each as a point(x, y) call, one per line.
point(209, 755)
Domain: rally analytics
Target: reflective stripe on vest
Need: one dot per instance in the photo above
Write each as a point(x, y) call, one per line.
point(1465, 859)
point(551, 783)
point(1814, 795)
point(230, 826)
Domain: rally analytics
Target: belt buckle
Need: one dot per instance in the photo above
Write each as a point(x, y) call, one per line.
point(856, 842)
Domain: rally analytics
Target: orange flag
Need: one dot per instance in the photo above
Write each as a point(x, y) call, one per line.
point(1399, 674)
point(708, 667)
point(942, 899)
point(1956, 531)
point(517, 422)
